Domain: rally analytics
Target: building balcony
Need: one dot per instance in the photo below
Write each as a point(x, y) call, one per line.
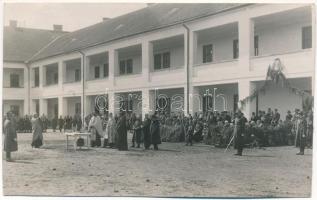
point(14, 93)
point(168, 76)
point(294, 62)
point(214, 71)
point(97, 86)
point(124, 82)
point(72, 88)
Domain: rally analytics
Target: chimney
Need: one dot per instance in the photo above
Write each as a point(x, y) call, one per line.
point(105, 19)
point(13, 23)
point(57, 27)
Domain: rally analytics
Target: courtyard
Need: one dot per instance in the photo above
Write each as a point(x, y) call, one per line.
point(174, 170)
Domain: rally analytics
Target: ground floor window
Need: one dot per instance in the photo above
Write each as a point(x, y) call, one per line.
point(77, 108)
point(15, 109)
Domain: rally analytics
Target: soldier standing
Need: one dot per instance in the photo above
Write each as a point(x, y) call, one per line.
point(240, 121)
point(302, 131)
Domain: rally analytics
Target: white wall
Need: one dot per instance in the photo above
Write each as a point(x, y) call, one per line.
point(136, 101)
point(71, 102)
point(96, 60)
point(280, 39)
point(282, 98)
point(228, 90)
point(222, 48)
point(50, 107)
point(70, 73)
point(137, 62)
point(176, 56)
point(49, 73)
point(177, 98)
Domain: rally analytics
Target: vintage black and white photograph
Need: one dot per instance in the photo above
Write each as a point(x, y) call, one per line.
point(207, 100)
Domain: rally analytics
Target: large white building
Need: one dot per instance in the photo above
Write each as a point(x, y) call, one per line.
point(171, 56)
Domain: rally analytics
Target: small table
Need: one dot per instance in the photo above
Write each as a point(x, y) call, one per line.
point(77, 135)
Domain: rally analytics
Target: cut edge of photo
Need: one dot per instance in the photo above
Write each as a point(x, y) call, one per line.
point(158, 99)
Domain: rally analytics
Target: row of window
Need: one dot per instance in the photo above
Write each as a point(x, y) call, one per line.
point(163, 60)
point(208, 52)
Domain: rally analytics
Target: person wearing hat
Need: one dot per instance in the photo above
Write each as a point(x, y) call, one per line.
point(155, 131)
point(10, 136)
point(122, 140)
point(146, 131)
point(240, 122)
point(302, 130)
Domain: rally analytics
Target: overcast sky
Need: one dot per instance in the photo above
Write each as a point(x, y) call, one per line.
point(72, 16)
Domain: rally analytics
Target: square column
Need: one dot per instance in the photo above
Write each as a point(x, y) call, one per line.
point(62, 106)
point(43, 107)
point(195, 101)
point(190, 92)
point(147, 59)
point(26, 84)
point(61, 72)
point(246, 42)
point(246, 88)
point(113, 64)
point(148, 102)
point(41, 74)
point(111, 102)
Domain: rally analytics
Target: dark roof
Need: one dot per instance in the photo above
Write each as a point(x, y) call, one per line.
point(20, 44)
point(140, 21)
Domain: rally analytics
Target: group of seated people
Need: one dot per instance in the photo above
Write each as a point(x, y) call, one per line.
point(212, 128)
point(216, 128)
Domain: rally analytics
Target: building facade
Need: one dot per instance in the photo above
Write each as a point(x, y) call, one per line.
point(205, 61)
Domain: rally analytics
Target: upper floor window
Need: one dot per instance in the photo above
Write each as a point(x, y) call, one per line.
point(36, 77)
point(236, 49)
point(77, 75)
point(105, 70)
point(256, 45)
point(126, 66)
point(162, 60)
point(55, 78)
point(14, 81)
point(208, 53)
point(306, 37)
point(97, 72)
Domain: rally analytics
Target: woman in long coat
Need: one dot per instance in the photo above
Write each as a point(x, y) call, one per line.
point(122, 141)
point(155, 132)
point(111, 131)
point(37, 126)
point(10, 137)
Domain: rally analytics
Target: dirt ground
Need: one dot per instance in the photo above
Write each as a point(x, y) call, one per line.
point(174, 170)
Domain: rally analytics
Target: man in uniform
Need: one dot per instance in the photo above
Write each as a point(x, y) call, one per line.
point(302, 131)
point(240, 121)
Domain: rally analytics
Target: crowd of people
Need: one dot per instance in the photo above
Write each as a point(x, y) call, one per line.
point(220, 129)
point(24, 124)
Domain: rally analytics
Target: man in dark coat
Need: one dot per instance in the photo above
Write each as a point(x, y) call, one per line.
point(61, 123)
point(240, 121)
point(122, 141)
point(155, 131)
point(146, 132)
point(37, 139)
point(10, 137)
point(302, 131)
point(54, 123)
